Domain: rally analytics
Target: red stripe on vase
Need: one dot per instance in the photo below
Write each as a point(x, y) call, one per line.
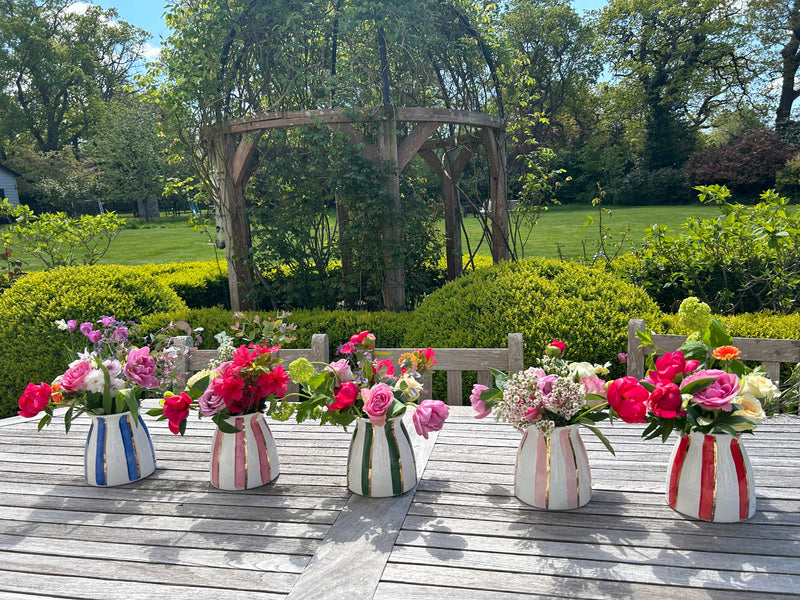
point(571, 469)
point(542, 473)
point(675, 473)
point(240, 456)
point(708, 478)
point(741, 476)
point(215, 457)
point(263, 459)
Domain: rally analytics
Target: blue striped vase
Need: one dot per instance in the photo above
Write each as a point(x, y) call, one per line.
point(245, 459)
point(118, 450)
point(381, 460)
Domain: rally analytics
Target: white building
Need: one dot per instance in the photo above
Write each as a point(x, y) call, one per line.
point(8, 185)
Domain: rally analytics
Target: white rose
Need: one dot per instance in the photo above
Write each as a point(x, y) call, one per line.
point(409, 386)
point(758, 387)
point(751, 408)
point(582, 369)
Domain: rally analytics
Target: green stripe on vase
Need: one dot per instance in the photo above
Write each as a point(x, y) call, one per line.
point(394, 459)
point(366, 460)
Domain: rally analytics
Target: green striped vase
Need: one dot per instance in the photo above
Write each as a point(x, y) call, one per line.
point(381, 460)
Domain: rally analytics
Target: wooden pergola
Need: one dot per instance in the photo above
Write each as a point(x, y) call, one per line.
point(233, 150)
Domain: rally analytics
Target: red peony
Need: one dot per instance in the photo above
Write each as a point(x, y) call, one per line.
point(628, 399)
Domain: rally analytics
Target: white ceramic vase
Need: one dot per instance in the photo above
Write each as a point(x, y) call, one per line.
point(709, 477)
point(552, 472)
point(118, 450)
point(245, 459)
point(381, 461)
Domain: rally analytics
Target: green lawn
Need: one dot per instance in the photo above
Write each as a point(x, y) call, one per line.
point(172, 239)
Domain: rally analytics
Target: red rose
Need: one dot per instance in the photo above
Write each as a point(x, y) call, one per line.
point(628, 399)
point(176, 410)
point(665, 401)
point(344, 396)
point(556, 349)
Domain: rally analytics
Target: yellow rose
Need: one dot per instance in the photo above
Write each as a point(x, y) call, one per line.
point(758, 386)
point(751, 408)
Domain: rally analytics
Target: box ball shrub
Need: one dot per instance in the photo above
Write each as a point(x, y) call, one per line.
point(543, 299)
point(33, 349)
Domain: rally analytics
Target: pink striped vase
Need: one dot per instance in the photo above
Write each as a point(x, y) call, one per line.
point(245, 459)
point(552, 472)
point(709, 477)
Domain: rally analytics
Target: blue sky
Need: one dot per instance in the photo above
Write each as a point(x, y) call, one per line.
point(148, 14)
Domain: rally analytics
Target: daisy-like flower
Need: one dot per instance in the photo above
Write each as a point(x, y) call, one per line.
point(727, 353)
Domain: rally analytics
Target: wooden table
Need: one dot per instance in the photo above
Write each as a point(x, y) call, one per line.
point(462, 534)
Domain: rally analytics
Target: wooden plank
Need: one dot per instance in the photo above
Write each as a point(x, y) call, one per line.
point(454, 390)
point(351, 558)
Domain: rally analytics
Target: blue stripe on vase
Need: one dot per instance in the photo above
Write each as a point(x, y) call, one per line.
point(99, 453)
point(130, 448)
point(149, 439)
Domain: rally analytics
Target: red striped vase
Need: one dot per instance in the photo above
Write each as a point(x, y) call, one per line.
point(245, 459)
point(380, 461)
point(552, 472)
point(710, 478)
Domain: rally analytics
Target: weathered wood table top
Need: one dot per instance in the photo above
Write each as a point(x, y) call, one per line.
point(460, 534)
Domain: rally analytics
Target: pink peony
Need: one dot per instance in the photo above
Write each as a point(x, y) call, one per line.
point(720, 393)
point(74, 379)
point(593, 385)
point(628, 399)
point(176, 410)
point(34, 399)
point(430, 416)
point(665, 401)
point(140, 368)
point(556, 348)
point(344, 396)
point(377, 404)
point(478, 404)
point(671, 366)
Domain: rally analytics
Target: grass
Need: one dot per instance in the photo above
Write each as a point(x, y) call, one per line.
point(172, 239)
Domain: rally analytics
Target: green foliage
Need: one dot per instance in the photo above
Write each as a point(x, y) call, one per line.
point(31, 341)
point(787, 179)
point(199, 284)
point(57, 239)
point(745, 260)
point(542, 299)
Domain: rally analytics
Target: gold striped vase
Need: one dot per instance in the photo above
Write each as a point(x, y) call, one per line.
point(552, 472)
point(709, 477)
point(245, 459)
point(118, 450)
point(381, 460)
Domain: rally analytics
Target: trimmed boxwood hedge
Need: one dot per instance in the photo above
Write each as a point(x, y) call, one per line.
point(30, 341)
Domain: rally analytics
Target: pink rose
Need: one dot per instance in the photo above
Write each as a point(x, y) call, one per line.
point(665, 401)
point(377, 405)
point(344, 396)
point(593, 385)
point(140, 368)
point(74, 379)
point(210, 403)
point(720, 393)
point(628, 399)
point(365, 338)
point(176, 410)
point(671, 367)
point(430, 416)
point(34, 399)
point(532, 414)
point(342, 369)
point(478, 404)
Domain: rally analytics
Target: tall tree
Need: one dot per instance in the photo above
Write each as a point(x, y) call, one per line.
point(678, 63)
point(56, 63)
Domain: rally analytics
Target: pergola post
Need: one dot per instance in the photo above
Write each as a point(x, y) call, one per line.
point(495, 150)
point(394, 277)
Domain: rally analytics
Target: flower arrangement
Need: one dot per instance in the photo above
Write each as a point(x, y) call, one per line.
point(250, 379)
point(557, 393)
point(359, 385)
point(107, 376)
point(703, 386)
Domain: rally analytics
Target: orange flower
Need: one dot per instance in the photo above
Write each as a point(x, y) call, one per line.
point(57, 396)
point(727, 353)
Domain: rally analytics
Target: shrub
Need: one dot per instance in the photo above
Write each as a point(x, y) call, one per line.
point(746, 260)
point(746, 165)
point(31, 341)
point(787, 179)
point(540, 298)
point(200, 284)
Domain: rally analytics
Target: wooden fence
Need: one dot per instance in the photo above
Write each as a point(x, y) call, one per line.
point(769, 352)
point(452, 360)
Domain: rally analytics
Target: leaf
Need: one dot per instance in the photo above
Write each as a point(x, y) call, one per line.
point(697, 385)
point(127, 397)
point(599, 434)
point(396, 408)
point(694, 350)
point(223, 425)
point(716, 334)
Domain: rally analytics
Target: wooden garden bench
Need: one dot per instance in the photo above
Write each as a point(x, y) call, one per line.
point(769, 352)
point(452, 360)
